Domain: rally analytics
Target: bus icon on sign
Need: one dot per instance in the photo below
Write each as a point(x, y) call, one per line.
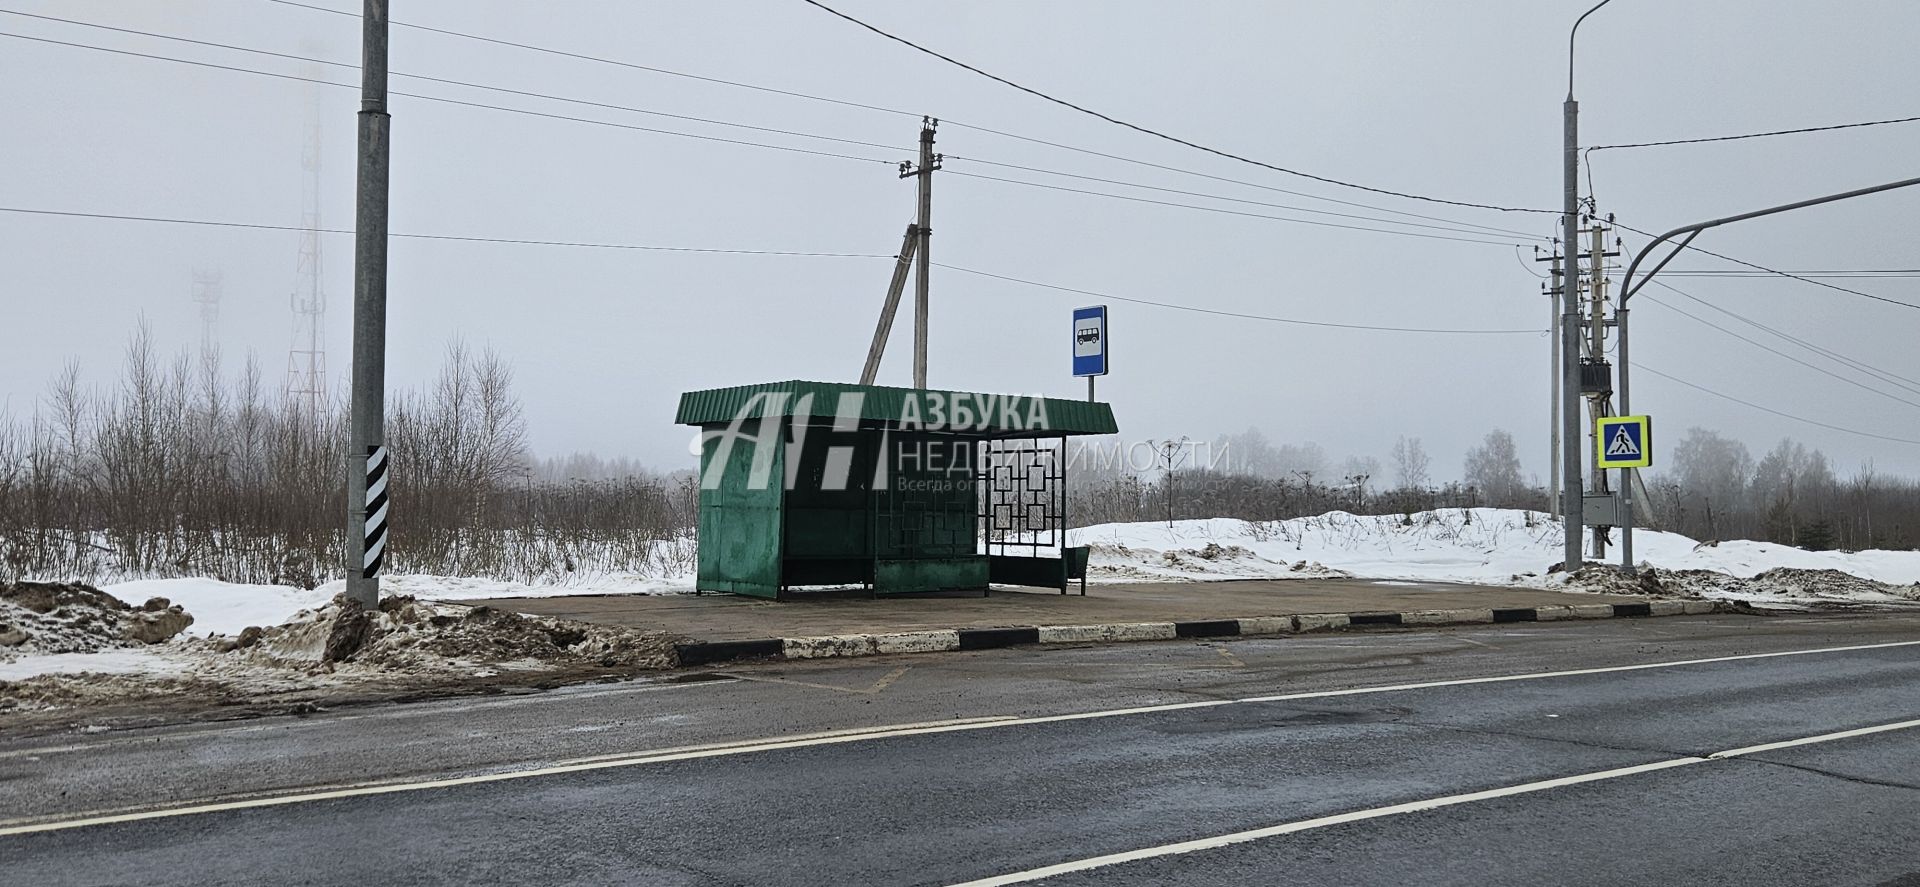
point(1090, 341)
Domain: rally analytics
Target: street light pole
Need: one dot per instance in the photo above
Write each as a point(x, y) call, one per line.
point(367, 453)
point(1571, 488)
point(1628, 287)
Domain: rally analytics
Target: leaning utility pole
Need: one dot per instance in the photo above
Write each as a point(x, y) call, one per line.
point(929, 162)
point(367, 452)
point(902, 265)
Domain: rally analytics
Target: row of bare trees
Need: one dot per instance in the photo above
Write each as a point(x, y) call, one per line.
point(184, 468)
point(187, 468)
point(1713, 490)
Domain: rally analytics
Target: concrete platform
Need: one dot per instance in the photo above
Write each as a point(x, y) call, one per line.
point(720, 617)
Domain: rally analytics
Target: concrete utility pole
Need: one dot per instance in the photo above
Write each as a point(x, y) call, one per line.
point(367, 451)
point(1598, 404)
point(1556, 289)
point(1571, 491)
point(891, 307)
point(929, 162)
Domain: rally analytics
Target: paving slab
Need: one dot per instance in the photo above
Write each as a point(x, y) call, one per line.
point(722, 617)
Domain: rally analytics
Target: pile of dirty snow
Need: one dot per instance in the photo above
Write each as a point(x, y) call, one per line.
point(73, 646)
point(1780, 586)
point(43, 618)
point(416, 637)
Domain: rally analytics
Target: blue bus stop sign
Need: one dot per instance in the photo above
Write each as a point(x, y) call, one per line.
point(1090, 341)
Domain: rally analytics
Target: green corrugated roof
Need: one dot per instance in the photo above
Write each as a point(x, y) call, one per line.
point(936, 410)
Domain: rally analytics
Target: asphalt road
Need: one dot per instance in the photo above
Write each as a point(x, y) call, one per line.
point(1300, 760)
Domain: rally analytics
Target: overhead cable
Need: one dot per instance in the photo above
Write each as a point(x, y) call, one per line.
point(1161, 135)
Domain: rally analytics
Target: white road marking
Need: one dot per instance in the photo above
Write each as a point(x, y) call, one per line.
point(1828, 737)
point(1287, 828)
point(1610, 669)
point(17, 827)
point(749, 744)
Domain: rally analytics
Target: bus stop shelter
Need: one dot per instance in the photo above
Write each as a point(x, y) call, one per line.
point(896, 490)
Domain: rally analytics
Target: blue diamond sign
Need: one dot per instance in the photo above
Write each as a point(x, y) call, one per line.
point(1623, 441)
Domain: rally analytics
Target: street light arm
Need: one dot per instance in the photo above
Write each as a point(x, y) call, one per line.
point(1570, 33)
point(1628, 287)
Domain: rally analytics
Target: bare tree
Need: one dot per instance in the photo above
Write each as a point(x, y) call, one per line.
point(1410, 463)
point(1494, 468)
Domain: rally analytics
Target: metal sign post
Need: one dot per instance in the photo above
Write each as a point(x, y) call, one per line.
point(1090, 344)
point(1626, 443)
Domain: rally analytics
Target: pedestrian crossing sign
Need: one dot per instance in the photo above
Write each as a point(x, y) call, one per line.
point(1623, 441)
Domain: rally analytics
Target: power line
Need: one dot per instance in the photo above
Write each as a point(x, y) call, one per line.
point(1757, 135)
point(472, 85)
point(1235, 314)
point(1211, 177)
point(447, 237)
point(463, 83)
point(715, 122)
point(607, 61)
point(448, 101)
point(1462, 228)
point(1787, 274)
point(1771, 350)
point(1160, 135)
point(755, 252)
point(897, 111)
point(659, 131)
point(1764, 409)
point(1231, 212)
point(1858, 273)
point(1877, 373)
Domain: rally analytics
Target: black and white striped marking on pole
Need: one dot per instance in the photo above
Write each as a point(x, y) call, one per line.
point(376, 538)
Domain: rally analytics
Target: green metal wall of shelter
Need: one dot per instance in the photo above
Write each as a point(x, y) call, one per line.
point(894, 489)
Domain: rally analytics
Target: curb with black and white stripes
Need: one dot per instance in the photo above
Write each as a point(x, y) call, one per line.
point(943, 640)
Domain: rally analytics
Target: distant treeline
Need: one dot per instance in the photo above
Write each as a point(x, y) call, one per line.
point(1714, 490)
point(185, 469)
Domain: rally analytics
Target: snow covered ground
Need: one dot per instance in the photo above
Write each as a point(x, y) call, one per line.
point(226, 608)
point(1477, 546)
point(1486, 546)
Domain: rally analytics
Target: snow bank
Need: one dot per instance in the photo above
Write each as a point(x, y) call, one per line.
point(1479, 545)
point(1485, 546)
point(1474, 545)
point(224, 607)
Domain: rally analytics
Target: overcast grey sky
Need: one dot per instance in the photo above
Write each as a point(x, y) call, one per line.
point(1457, 100)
